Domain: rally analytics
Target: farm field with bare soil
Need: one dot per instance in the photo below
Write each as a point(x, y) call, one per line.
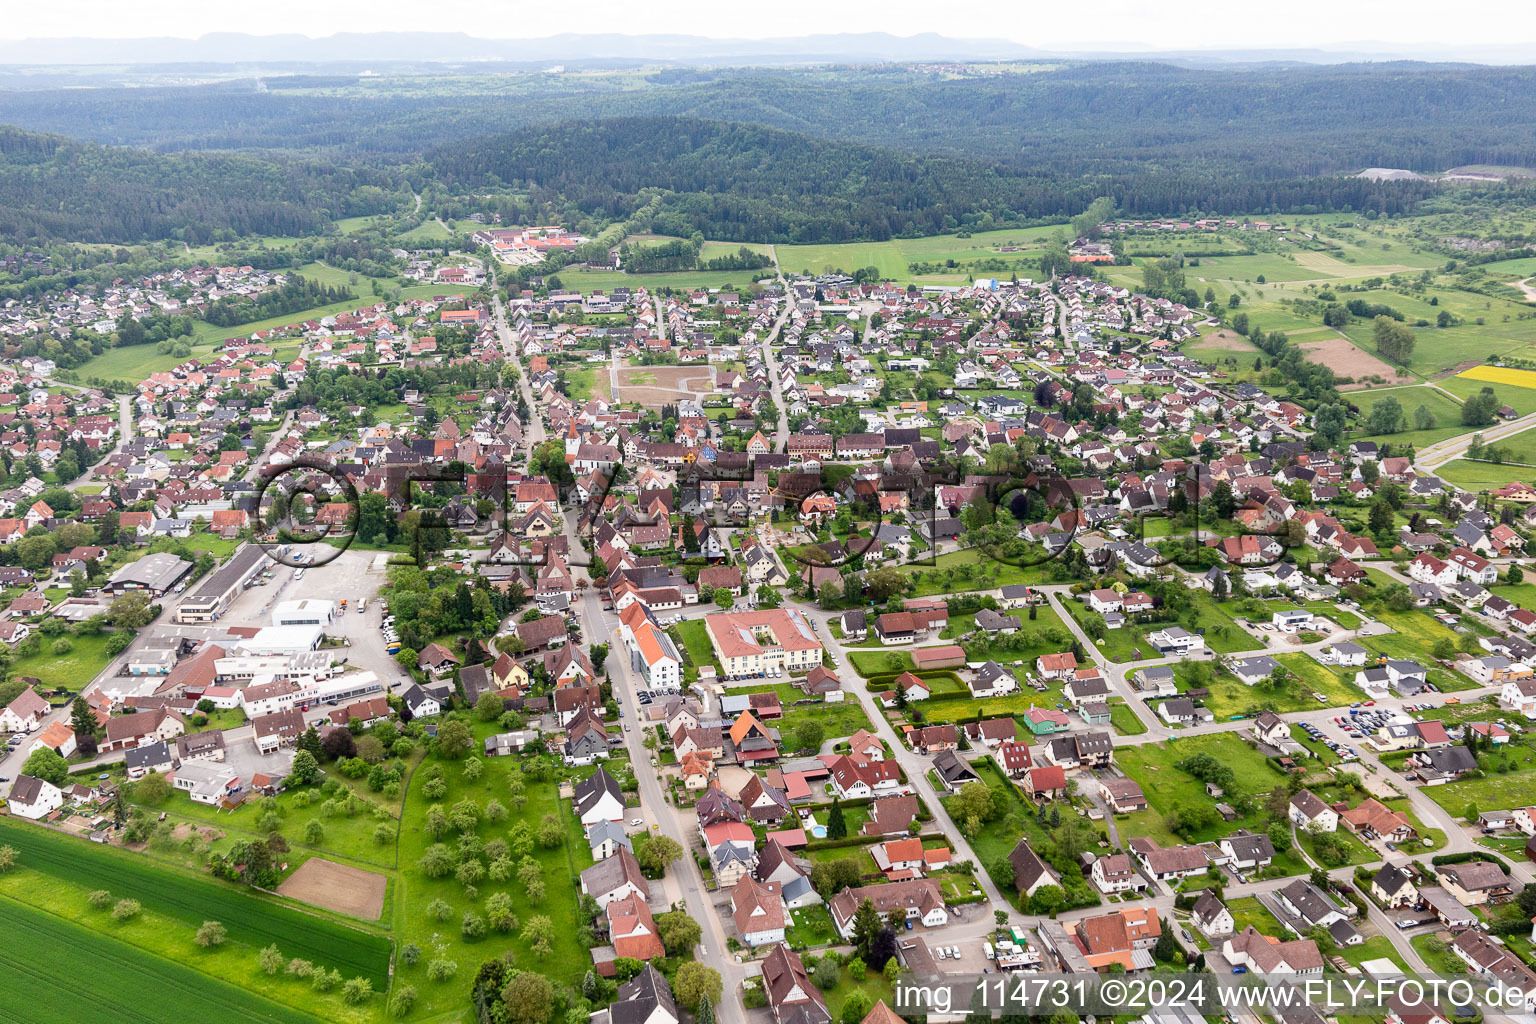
point(1347, 359)
point(661, 385)
point(346, 890)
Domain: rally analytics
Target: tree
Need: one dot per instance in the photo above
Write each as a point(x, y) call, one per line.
point(357, 991)
point(529, 998)
point(130, 611)
point(723, 597)
point(539, 933)
point(973, 801)
point(454, 738)
point(856, 1007)
point(490, 706)
point(654, 852)
point(695, 982)
point(1381, 517)
point(1386, 417)
point(81, 718)
point(837, 827)
point(827, 973)
point(211, 935)
point(1423, 419)
point(884, 584)
point(314, 833)
point(705, 1014)
point(1280, 836)
point(271, 959)
point(401, 1002)
point(152, 789)
point(1047, 899)
point(679, 932)
point(46, 764)
point(809, 735)
point(1167, 947)
point(1394, 340)
point(1479, 410)
point(305, 769)
point(8, 858)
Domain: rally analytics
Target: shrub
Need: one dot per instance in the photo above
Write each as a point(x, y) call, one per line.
point(442, 969)
point(99, 899)
point(211, 935)
point(126, 910)
point(356, 991)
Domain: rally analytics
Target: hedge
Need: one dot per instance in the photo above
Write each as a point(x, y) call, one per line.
point(885, 680)
point(1470, 855)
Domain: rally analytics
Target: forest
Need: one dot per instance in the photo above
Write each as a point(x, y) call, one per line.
point(825, 154)
point(56, 188)
point(295, 294)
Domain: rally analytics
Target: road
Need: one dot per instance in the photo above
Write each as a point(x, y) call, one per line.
point(683, 884)
point(775, 375)
point(533, 431)
point(1438, 454)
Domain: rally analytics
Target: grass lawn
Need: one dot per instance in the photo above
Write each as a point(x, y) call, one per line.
point(1124, 719)
point(1248, 911)
point(1441, 962)
point(83, 663)
point(56, 950)
point(1376, 947)
point(1168, 787)
point(1230, 696)
point(810, 927)
point(874, 663)
point(1495, 791)
point(970, 569)
point(1446, 411)
point(691, 635)
point(1482, 476)
point(998, 837)
point(842, 718)
point(1359, 853)
point(1222, 635)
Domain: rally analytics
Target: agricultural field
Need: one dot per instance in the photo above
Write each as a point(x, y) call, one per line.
point(893, 257)
point(1520, 399)
point(1482, 476)
point(1445, 410)
point(582, 280)
point(251, 919)
point(59, 972)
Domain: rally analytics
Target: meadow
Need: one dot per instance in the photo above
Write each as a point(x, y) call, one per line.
point(1168, 787)
point(251, 919)
point(59, 973)
point(1446, 411)
point(87, 657)
point(893, 257)
point(1482, 476)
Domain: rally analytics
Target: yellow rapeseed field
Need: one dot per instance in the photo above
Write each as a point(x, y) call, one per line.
point(1502, 375)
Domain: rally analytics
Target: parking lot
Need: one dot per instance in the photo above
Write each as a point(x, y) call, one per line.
point(352, 575)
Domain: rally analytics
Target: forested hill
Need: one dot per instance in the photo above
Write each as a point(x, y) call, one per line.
point(56, 188)
point(751, 183)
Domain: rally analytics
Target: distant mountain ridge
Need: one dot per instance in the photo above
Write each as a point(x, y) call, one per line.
point(860, 47)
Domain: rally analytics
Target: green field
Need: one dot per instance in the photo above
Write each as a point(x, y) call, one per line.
point(1447, 415)
point(580, 280)
point(1483, 476)
point(58, 972)
point(1522, 400)
point(1168, 787)
point(73, 670)
point(893, 257)
point(567, 959)
point(251, 919)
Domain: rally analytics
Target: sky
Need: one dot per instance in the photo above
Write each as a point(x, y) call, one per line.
point(1401, 25)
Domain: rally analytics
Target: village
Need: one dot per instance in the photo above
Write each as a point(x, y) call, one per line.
point(875, 629)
